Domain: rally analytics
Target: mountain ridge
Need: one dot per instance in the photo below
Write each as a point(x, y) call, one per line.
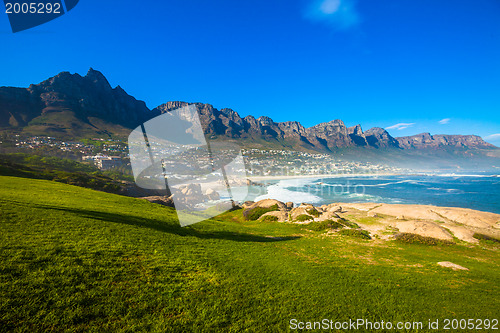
point(327, 136)
point(78, 106)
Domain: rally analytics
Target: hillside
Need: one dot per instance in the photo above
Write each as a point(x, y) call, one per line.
point(80, 260)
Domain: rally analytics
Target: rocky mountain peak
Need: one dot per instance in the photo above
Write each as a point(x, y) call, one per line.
point(376, 130)
point(265, 121)
point(356, 130)
point(380, 138)
point(72, 105)
point(98, 79)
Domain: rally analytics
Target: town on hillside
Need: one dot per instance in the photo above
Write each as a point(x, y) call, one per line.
point(108, 154)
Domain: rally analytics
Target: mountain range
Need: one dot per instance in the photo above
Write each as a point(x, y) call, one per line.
point(74, 106)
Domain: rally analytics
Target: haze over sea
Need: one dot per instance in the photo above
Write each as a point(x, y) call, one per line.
point(480, 192)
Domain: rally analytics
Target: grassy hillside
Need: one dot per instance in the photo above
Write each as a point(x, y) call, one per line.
point(80, 260)
point(62, 170)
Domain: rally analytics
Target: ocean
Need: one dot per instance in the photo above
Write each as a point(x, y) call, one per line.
point(480, 192)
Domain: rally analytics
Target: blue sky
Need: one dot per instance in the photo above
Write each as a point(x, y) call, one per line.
point(408, 66)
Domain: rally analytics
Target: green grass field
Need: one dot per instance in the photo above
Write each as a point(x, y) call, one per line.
point(74, 259)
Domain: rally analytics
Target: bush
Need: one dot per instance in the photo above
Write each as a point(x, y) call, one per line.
point(363, 234)
point(485, 238)
point(410, 238)
point(303, 218)
point(323, 225)
point(349, 224)
point(270, 218)
point(313, 211)
point(253, 214)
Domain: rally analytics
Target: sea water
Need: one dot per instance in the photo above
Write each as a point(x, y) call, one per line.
point(475, 191)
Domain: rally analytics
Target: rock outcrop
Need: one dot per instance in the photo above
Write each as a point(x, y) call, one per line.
point(440, 223)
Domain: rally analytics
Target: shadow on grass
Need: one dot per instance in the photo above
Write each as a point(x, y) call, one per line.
point(169, 227)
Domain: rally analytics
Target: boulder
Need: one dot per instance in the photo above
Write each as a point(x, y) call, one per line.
point(328, 216)
point(161, 200)
point(212, 195)
point(224, 206)
point(247, 204)
point(334, 208)
point(267, 203)
point(303, 209)
point(453, 266)
point(281, 215)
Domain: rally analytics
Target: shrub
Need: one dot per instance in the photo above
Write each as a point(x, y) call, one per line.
point(270, 218)
point(410, 238)
point(363, 234)
point(349, 224)
point(485, 238)
point(323, 225)
point(253, 214)
point(313, 211)
point(303, 218)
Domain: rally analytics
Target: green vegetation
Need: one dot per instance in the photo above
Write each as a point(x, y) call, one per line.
point(349, 224)
point(61, 170)
point(486, 238)
point(418, 239)
point(269, 218)
point(367, 220)
point(303, 218)
point(363, 234)
point(47, 163)
point(313, 211)
point(322, 225)
point(74, 259)
point(253, 214)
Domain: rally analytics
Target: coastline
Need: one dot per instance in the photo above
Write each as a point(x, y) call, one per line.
point(343, 175)
point(391, 188)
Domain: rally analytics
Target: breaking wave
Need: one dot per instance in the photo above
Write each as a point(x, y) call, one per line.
point(281, 192)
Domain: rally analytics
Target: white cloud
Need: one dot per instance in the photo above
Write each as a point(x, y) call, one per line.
point(340, 14)
point(400, 126)
point(330, 6)
point(493, 137)
point(444, 121)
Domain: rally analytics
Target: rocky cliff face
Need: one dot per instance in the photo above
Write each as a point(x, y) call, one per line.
point(76, 106)
point(326, 136)
point(380, 138)
point(427, 141)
